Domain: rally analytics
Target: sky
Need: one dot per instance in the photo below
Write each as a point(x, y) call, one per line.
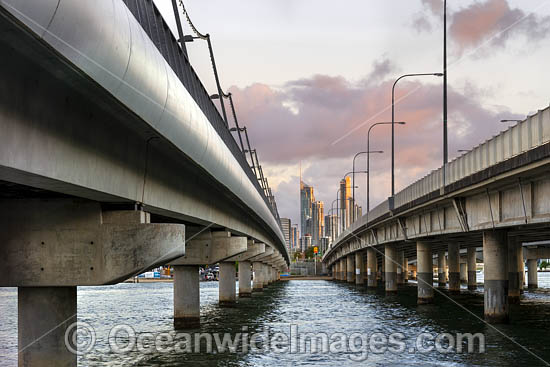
point(310, 76)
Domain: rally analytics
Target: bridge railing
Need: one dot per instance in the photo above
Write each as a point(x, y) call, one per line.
point(524, 136)
point(152, 22)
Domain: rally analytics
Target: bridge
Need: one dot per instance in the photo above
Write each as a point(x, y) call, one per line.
point(114, 160)
point(495, 197)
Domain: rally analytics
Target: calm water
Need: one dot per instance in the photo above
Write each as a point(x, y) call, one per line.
point(313, 306)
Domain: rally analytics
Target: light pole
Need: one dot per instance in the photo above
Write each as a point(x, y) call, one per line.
point(511, 120)
point(368, 157)
point(445, 143)
point(353, 177)
point(393, 128)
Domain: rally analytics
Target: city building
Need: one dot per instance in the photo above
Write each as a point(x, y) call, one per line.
point(286, 226)
point(331, 227)
point(317, 222)
point(305, 243)
point(345, 199)
point(306, 200)
point(294, 237)
point(324, 242)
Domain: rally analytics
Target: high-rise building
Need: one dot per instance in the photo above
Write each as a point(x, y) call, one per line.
point(305, 242)
point(317, 222)
point(345, 198)
point(331, 227)
point(294, 238)
point(306, 200)
point(286, 226)
point(323, 245)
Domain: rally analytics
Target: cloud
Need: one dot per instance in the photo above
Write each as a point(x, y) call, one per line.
point(325, 108)
point(490, 21)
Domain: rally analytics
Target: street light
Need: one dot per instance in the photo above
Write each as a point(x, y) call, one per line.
point(368, 157)
point(511, 120)
point(353, 177)
point(393, 128)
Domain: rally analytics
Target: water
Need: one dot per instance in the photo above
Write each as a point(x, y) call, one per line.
point(312, 306)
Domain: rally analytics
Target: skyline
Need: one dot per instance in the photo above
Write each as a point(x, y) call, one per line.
point(325, 95)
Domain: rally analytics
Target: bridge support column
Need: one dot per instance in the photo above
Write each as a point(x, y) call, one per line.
point(44, 315)
point(227, 287)
point(257, 284)
point(515, 269)
point(344, 272)
point(532, 277)
point(383, 271)
point(441, 269)
point(350, 268)
point(371, 268)
point(186, 297)
point(391, 261)
point(424, 272)
point(463, 273)
point(245, 272)
point(495, 258)
point(454, 268)
point(399, 270)
point(359, 268)
point(405, 270)
point(471, 266)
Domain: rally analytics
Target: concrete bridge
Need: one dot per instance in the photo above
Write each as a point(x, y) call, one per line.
point(496, 198)
point(114, 160)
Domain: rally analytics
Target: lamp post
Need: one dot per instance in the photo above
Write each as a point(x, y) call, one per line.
point(393, 128)
point(368, 157)
point(511, 120)
point(353, 177)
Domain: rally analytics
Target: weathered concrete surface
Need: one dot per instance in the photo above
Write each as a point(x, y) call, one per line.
point(454, 267)
point(424, 274)
point(495, 257)
point(69, 242)
point(359, 269)
point(441, 269)
point(245, 273)
point(186, 297)
point(371, 268)
point(471, 258)
point(44, 315)
point(227, 284)
point(515, 269)
point(390, 273)
point(211, 248)
point(350, 268)
point(532, 276)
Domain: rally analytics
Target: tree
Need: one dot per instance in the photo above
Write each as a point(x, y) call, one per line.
point(544, 265)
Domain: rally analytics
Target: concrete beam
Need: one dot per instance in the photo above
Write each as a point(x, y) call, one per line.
point(211, 248)
point(253, 249)
point(70, 242)
point(268, 252)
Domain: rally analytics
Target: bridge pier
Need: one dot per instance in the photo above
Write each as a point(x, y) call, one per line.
point(257, 282)
point(390, 273)
point(44, 315)
point(372, 272)
point(399, 270)
point(344, 272)
point(471, 266)
point(186, 297)
point(245, 273)
point(441, 269)
point(454, 268)
point(359, 268)
point(532, 276)
point(515, 269)
point(463, 273)
point(424, 272)
point(350, 268)
point(405, 270)
point(227, 284)
point(495, 258)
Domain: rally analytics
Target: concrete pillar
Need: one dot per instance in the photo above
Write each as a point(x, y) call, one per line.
point(405, 270)
point(390, 273)
point(399, 270)
point(463, 273)
point(227, 286)
point(424, 274)
point(441, 269)
point(257, 284)
point(186, 297)
point(337, 269)
point(344, 269)
point(350, 268)
point(383, 270)
point(495, 258)
point(44, 315)
point(471, 261)
point(515, 269)
point(371, 268)
point(532, 276)
point(245, 273)
point(359, 268)
point(454, 267)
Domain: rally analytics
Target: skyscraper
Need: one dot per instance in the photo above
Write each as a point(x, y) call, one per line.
point(318, 222)
point(331, 227)
point(286, 226)
point(345, 198)
point(306, 200)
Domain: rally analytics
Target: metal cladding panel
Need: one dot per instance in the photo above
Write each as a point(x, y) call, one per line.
point(35, 17)
point(108, 22)
point(106, 42)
